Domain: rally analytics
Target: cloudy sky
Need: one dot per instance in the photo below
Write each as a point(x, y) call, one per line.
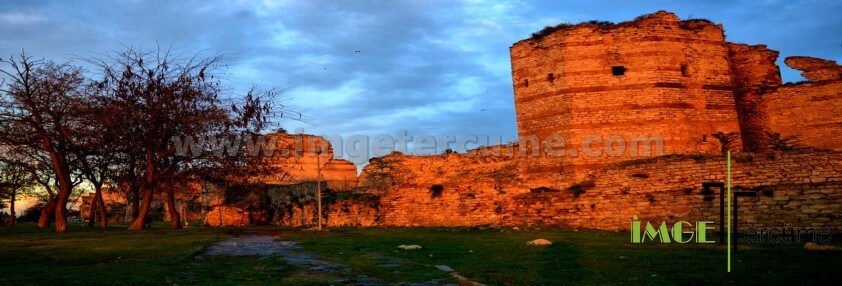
point(374, 67)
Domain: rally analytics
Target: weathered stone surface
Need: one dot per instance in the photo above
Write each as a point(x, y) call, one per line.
point(814, 69)
point(676, 86)
point(300, 159)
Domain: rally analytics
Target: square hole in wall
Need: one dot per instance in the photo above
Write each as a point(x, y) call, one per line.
point(618, 70)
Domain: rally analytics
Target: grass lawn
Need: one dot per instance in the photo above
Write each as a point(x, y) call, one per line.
point(97, 256)
point(494, 257)
point(586, 257)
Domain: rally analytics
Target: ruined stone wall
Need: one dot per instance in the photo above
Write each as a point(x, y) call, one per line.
point(342, 213)
point(803, 189)
point(816, 70)
point(810, 111)
point(652, 78)
point(298, 156)
point(452, 189)
point(754, 73)
point(676, 85)
point(800, 188)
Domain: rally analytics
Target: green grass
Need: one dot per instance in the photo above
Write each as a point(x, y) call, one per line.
point(97, 256)
point(588, 257)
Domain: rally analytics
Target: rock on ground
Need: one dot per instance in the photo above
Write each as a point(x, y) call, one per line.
point(812, 246)
point(540, 241)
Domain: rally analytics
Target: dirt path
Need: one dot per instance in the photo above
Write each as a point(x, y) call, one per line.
point(309, 267)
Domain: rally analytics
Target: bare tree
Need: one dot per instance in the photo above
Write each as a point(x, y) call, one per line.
point(157, 96)
point(38, 110)
point(14, 180)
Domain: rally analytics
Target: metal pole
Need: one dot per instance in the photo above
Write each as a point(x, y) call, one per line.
point(319, 182)
point(707, 187)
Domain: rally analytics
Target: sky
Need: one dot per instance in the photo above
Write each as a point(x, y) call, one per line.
point(376, 67)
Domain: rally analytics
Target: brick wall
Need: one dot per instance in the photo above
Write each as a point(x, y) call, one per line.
point(754, 73)
point(300, 160)
point(807, 110)
point(677, 85)
point(803, 189)
point(348, 212)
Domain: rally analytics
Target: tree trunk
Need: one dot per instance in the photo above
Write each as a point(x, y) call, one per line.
point(94, 205)
point(47, 213)
point(140, 222)
point(12, 208)
point(184, 213)
point(175, 218)
point(135, 202)
point(61, 205)
point(103, 212)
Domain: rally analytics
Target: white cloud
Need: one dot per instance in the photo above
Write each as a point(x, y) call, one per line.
point(20, 18)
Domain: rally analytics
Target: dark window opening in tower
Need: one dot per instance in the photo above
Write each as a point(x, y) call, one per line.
point(684, 71)
point(618, 70)
point(550, 77)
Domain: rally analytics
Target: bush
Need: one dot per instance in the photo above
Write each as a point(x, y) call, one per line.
point(778, 142)
point(726, 140)
point(546, 31)
point(32, 213)
point(580, 188)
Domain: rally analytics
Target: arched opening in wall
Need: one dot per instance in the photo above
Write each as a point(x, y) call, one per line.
point(618, 70)
point(550, 77)
point(526, 82)
point(684, 71)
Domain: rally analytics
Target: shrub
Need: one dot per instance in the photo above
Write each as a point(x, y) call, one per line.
point(32, 213)
point(581, 188)
point(726, 140)
point(546, 31)
point(778, 142)
point(543, 190)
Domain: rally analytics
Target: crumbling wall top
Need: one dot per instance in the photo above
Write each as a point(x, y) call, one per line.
point(814, 69)
point(660, 18)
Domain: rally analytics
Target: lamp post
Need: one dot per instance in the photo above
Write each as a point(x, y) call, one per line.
point(319, 182)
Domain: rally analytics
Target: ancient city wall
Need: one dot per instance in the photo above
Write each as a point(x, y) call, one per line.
point(344, 212)
point(653, 77)
point(810, 111)
point(753, 73)
point(803, 189)
point(298, 156)
point(675, 84)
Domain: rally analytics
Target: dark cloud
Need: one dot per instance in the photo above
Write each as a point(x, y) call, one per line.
point(372, 67)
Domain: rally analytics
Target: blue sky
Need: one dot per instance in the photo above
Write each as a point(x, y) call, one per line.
point(373, 67)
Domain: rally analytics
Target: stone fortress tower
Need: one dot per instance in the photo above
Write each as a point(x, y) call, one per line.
point(653, 79)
